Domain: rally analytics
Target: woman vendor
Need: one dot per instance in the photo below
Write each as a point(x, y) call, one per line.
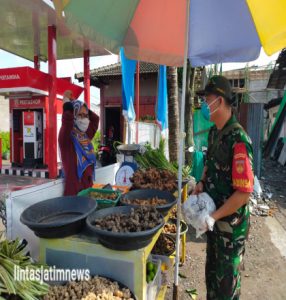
point(79, 125)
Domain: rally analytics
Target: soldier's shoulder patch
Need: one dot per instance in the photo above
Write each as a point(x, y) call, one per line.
point(242, 175)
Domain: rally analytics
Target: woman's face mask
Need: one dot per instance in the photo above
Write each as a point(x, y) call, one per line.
point(206, 110)
point(82, 124)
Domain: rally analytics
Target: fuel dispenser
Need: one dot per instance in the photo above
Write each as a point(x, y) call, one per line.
point(32, 138)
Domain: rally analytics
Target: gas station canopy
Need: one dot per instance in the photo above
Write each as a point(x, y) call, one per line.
point(24, 31)
point(28, 82)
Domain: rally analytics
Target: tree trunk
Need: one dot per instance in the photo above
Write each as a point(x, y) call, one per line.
point(173, 113)
point(189, 112)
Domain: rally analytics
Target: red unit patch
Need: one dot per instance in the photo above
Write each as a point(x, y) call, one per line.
point(242, 175)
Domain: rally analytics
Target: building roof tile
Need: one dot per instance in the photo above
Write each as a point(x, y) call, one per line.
point(114, 70)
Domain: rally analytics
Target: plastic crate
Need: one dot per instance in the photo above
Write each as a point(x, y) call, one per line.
point(118, 188)
point(154, 286)
point(102, 203)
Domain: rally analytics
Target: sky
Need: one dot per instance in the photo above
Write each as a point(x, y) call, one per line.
point(263, 60)
point(67, 68)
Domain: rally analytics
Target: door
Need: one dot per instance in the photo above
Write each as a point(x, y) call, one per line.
point(113, 123)
point(17, 136)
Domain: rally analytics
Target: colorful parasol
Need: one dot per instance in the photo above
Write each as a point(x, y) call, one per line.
point(154, 31)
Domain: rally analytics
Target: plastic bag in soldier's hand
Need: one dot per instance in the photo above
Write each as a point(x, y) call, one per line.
point(196, 209)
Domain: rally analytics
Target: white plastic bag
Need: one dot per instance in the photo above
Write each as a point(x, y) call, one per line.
point(196, 210)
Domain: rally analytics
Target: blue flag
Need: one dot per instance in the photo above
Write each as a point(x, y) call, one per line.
point(128, 67)
point(162, 100)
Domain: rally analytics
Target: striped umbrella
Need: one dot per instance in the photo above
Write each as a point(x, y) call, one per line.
point(155, 31)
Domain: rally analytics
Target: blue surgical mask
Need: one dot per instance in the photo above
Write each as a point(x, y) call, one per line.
point(206, 111)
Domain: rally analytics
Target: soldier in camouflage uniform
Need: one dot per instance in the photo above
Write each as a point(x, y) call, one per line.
point(228, 179)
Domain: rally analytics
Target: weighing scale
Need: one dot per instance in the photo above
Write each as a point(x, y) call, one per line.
point(128, 166)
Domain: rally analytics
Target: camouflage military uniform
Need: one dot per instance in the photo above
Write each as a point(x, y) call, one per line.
point(226, 244)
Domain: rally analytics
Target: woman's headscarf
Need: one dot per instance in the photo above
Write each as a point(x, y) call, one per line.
point(82, 144)
point(77, 105)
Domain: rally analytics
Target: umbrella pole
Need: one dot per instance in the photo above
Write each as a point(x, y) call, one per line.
point(181, 156)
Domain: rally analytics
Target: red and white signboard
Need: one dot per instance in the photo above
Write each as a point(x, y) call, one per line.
point(35, 102)
point(26, 79)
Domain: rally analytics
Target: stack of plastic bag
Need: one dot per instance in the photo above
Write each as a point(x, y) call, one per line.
point(197, 210)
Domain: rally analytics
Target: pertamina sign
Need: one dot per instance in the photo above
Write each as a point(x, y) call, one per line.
point(10, 77)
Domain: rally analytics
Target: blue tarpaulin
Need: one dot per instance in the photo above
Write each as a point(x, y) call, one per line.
point(162, 100)
point(128, 67)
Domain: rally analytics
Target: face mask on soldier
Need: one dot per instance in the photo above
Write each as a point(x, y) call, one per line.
point(206, 110)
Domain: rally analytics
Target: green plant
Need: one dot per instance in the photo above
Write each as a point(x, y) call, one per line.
point(5, 138)
point(96, 141)
point(12, 256)
point(192, 293)
point(155, 158)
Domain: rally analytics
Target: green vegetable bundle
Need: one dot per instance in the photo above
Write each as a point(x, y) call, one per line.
point(12, 256)
point(155, 158)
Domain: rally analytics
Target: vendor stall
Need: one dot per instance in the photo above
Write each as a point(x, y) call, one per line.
point(85, 251)
point(20, 197)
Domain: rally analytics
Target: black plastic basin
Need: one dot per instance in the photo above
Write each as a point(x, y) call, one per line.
point(122, 241)
point(58, 217)
point(146, 194)
point(165, 253)
point(183, 224)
